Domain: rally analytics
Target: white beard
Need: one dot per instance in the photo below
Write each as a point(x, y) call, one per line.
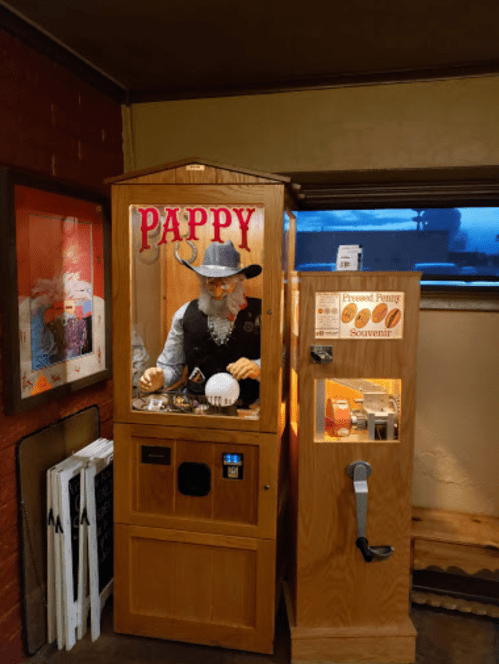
point(229, 306)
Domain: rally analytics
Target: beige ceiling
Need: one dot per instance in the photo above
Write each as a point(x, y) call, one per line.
point(167, 49)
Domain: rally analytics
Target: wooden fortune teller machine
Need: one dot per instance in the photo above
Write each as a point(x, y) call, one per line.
point(199, 402)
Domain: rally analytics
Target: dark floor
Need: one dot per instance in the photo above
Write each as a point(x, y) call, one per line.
point(444, 637)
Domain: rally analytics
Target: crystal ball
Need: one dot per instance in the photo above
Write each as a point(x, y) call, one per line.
point(222, 389)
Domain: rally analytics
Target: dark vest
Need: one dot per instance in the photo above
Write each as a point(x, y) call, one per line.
point(203, 353)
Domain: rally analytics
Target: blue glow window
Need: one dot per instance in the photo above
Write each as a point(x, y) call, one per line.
point(457, 247)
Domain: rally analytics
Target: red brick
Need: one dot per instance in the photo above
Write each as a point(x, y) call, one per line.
point(106, 429)
point(8, 149)
point(9, 542)
point(11, 651)
point(106, 410)
point(67, 169)
point(10, 623)
point(46, 112)
point(15, 427)
point(8, 513)
point(32, 157)
point(61, 143)
point(9, 115)
point(9, 596)
point(9, 571)
point(8, 463)
point(8, 489)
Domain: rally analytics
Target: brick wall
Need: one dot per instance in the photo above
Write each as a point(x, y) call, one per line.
point(53, 123)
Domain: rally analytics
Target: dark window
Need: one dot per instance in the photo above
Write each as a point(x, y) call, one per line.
point(443, 222)
point(455, 246)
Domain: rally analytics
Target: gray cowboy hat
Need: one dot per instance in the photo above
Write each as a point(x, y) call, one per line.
point(223, 260)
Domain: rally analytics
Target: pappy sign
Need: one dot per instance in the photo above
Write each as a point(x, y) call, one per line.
point(359, 315)
point(160, 224)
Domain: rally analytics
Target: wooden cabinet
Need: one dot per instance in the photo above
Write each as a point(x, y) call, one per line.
point(353, 352)
point(198, 480)
point(197, 587)
point(149, 491)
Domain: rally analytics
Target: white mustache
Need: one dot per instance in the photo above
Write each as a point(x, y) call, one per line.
point(229, 305)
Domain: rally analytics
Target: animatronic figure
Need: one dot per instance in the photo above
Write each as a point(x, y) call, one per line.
point(218, 332)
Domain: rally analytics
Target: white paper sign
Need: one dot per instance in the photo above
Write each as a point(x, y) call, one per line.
point(349, 257)
point(360, 315)
point(327, 315)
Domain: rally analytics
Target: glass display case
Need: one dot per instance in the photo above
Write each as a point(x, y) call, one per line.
point(197, 309)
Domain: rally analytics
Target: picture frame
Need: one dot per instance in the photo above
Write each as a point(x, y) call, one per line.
point(56, 288)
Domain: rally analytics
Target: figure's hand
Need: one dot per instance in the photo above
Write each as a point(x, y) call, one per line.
point(244, 368)
point(152, 379)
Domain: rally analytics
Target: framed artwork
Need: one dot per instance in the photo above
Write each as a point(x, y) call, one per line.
point(56, 298)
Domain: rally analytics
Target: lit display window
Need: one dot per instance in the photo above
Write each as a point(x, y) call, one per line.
point(357, 410)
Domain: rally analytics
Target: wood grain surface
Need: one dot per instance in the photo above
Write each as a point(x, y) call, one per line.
point(447, 555)
point(447, 539)
point(361, 650)
point(462, 528)
point(197, 568)
point(331, 586)
point(271, 197)
point(221, 173)
point(147, 494)
point(201, 588)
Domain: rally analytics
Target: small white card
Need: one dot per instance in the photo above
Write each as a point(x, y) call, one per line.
point(349, 257)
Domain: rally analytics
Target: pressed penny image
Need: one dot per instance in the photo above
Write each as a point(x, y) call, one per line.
point(393, 318)
point(379, 312)
point(348, 312)
point(362, 318)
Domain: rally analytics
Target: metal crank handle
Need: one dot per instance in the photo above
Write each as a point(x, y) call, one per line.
point(359, 471)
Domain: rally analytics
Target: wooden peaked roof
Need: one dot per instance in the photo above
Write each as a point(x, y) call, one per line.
point(139, 177)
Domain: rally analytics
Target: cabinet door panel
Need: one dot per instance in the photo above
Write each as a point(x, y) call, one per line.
point(196, 587)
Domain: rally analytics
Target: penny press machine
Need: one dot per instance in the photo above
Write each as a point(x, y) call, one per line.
point(198, 289)
point(352, 405)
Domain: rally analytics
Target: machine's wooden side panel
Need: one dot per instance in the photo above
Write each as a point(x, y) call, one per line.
point(122, 304)
point(332, 587)
point(193, 587)
point(336, 586)
point(294, 451)
point(361, 649)
point(272, 337)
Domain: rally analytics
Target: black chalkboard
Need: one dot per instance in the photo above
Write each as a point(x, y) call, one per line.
point(74, 486)
point(104, 514)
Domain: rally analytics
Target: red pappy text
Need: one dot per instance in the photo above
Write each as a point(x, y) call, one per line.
point(194, 218)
